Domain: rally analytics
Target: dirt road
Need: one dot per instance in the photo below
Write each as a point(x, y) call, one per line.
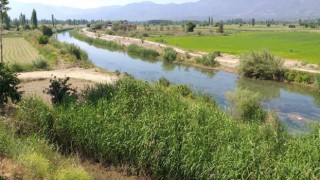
point(74, 73)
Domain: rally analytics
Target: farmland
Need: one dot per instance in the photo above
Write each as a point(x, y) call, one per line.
point(18, 50)
point(291, 45)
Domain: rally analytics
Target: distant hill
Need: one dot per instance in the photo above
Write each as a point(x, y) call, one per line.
point(201, 10)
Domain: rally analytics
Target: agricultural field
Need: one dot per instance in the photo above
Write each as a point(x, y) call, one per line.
point(18, 50)
point(290, 45)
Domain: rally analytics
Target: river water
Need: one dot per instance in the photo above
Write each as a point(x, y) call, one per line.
point(296, 106)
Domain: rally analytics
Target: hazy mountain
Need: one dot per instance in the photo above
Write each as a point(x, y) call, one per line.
point(219, 9)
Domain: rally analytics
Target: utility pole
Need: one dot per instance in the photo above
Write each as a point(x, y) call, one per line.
point(1, 46)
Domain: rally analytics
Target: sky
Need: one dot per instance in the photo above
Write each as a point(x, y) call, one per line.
point(97, 3)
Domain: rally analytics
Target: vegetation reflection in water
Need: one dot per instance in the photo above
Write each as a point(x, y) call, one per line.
point(296, 106)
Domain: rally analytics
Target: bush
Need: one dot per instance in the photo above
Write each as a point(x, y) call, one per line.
point(43, 39)
point(9, 86)
point(46, 31)
point(190, 26)
point(77, 52)
point(41, 64)
point(60, 90)
point(299, 77)
point(208, 60)
point(261, 65)
point(142, 52)
point(17, 67)
point(245, 105)
point(170, 55)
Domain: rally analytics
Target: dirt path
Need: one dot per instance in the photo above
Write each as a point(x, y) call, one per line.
point(225, 60)
point(74, 73)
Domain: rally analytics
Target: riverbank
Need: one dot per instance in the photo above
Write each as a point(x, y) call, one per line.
point(227, 62)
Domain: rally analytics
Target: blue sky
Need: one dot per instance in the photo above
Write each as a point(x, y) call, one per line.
point(96, 3)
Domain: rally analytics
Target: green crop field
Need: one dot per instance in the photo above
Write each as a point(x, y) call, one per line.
point(292, 45)
point(18, 50)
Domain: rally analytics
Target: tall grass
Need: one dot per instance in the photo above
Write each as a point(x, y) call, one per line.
point(111, 45)
point(157, 130)
point(142, 52)
point(208, 60)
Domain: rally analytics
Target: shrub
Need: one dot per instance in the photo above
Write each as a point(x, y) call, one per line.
point(190, 26)
point(261, 65)
point(245, 105)
point(17, 67)
point(142, 52)
point(41, 64)
point(46, 31)
point(170, 55)
point(9, 86)
point(43, 39)
point(77, 52)
point(208, 60)
point(60, 90)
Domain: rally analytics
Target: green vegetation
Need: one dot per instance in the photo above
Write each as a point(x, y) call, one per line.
point(33, 158)
point(60, 90)
point(9, 86)
point(190, 26)
point(142, 52)
point(261, 65)
point(111, 45)
point(208, 60)
point(246, 105)
point(170, 55)
point(293, 45)
point(34, 19)
point(166, 135)
point(43, 40)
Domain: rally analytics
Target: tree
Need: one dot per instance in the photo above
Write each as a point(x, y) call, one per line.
point(8, 86)
point(34, 19)
point(253, 22)
point(220, 27)
point(6, 20)
point(22, 19)
point(209, 22)
point(52, 17)
point(190, 26)
point(319, 23)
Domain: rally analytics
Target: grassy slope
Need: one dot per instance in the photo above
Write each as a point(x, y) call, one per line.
point(169, 136)
point(292, 45)
point(18, 50)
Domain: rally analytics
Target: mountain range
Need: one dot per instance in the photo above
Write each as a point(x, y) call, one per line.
point(201, 10)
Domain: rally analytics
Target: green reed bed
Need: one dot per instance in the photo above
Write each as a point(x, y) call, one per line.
point(111, 45)
point(166, 135)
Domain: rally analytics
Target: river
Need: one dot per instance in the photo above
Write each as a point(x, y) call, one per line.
point(296, 106)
